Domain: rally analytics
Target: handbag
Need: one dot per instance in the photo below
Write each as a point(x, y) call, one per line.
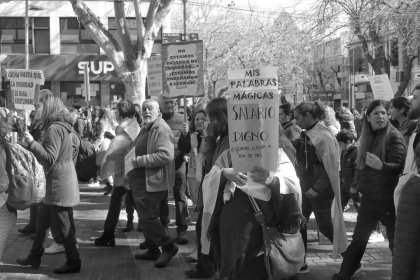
point(284, 253)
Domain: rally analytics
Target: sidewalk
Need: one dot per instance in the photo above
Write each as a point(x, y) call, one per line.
point(119, 263)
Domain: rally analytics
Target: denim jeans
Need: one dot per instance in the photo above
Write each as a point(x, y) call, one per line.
point(369, 214)
point(60, 219)
point(114, 211)
point(321, 207)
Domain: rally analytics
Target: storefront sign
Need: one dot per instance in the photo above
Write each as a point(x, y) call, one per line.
point(381, 87)
point(154, 76)
point(23, 83)
point(97, 68)
point(183, 69)
point(253, 116)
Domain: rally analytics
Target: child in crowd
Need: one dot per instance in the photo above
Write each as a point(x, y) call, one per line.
point(348, 156)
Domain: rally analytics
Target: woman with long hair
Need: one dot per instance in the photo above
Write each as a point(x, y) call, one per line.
point(379, 162)
point(216, 141)
point(104, 131)
point(55, 153)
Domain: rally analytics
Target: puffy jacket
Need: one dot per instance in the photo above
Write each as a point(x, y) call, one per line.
point(56, 155)
point(406, 255)
point(348, 166)
point(378, 185)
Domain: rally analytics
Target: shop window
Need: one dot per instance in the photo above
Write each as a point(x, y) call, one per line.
point(74, 94)
point(12, 35)
point(74, 38)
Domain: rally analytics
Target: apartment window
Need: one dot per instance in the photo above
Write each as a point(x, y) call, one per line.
point(74, 38)
point(12, 35)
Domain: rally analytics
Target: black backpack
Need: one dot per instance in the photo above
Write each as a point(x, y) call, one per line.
point(86, 161)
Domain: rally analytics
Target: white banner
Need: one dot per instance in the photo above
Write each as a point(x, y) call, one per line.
point(381, 87)
point(23, 83)
point(253, 115)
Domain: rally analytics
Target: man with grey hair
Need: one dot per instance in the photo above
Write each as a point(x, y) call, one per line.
point(151, 177)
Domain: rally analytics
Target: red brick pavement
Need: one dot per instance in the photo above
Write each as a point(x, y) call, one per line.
point(118, 263)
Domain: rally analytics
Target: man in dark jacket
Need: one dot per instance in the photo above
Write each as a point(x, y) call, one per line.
point(349, 151)
point(291, 129)
point(175, 121)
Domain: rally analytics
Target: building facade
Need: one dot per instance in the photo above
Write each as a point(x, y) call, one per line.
point(60, 46)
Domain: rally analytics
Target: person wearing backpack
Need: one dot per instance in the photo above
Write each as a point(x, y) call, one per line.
point(7, 215)
point(62, 189)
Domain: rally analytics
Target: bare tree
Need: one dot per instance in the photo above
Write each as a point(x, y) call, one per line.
point(128, 57)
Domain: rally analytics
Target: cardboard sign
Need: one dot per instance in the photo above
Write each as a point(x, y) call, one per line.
point(23, 83)
point(133, 130)
point(128, 166)
point(183, 69)
point(154, 76)
point(381, 87)
point(253, 115)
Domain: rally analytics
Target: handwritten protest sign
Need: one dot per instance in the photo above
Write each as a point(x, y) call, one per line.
point(381, 87)
point(128, 166)
point(23, 83)
point(183, 69)
point(253, 115)
point(154, 76)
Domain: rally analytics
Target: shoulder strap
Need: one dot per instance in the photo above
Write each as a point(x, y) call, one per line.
point(259, 216)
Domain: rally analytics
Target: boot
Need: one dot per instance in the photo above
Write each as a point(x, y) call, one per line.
point(168, 251)
point(33, 259)
point(69, 267)
point(105, 241)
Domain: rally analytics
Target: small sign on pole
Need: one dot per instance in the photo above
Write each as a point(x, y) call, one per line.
point(381, 87)
point(183, 69)
point(23, 84)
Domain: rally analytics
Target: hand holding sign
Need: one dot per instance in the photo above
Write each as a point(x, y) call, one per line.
point(236, 177)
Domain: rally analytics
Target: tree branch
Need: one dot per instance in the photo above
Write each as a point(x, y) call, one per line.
point(140, 26)
point(102, 36)
point(123, 29)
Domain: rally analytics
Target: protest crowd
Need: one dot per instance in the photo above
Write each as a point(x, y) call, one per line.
point(327, 161)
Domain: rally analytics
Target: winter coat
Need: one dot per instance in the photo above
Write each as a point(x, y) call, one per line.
point(348, 166)
point(159, 160)
point(378, 185)
point(407, 128)
point(56, 155)
point(291, 129)
point(406, 254)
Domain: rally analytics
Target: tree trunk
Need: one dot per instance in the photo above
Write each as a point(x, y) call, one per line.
point(135, 82)
point(407, 76)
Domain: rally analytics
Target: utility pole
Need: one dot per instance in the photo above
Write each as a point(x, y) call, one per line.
point(184, 2)
point(27, 34)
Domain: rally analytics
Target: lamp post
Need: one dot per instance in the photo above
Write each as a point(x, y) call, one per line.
point(26, 34)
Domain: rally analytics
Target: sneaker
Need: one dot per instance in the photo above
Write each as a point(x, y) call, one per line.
point(27, 230)
point(54, 248)
point(376, 237)
point(149, 255)
point(166, 257)
point(357, 271)
point(304, 269)
point(104, 241)
point(190, 203)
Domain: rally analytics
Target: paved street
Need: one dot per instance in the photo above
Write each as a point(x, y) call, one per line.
point(119, 263)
